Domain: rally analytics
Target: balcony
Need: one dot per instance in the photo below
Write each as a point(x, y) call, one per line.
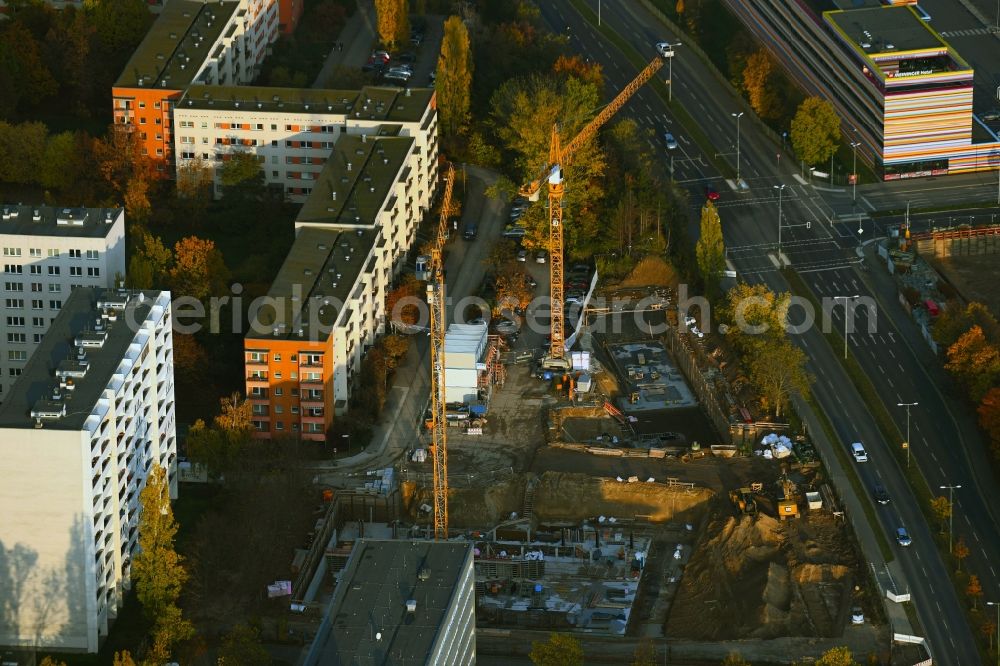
point(251, 364)
point(312, 381)
point(320, 420)
point(257, 381)
point(312, 402)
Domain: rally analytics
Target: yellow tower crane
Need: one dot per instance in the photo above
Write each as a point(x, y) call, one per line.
point(436, 301)
point(559, 157)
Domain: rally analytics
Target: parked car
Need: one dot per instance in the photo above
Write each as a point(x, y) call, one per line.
point(857, 615)
point(398, 79)
point(380, 55)
point(532, 282)
point(903, 537)
point(991, 116)
point(711, 194)
point(880, 494)
point(669, 139)
point(522, 255)
point(470, 231)
point(507, 327)
point(514, 232)
point(541, 257)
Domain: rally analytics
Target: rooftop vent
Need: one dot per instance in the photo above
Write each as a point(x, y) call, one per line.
point(108, 218)
point(424, 575)
point(348, 166)
point(360, 232)
point(307, 271)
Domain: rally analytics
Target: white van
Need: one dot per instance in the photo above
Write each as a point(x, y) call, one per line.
point(860, 455)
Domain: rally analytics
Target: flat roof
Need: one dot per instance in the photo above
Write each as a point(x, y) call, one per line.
point(21, 220)
point(57, 352)
point(381, 576)
point(177, 44)
point(357, 179)
point(885, 26)
point(369, 103)
point(465, 338)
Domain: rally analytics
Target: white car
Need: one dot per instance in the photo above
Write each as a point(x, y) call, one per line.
point(859, 453)
point(669, 139)
point(857, 615)
point(663, 48)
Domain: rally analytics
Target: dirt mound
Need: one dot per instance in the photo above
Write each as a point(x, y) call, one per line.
point(651, 272)
point(756, 577)
point(567, 496)
point(472, 507)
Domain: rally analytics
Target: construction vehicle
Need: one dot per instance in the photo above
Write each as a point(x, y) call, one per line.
point(560, 157)
point(788, 504)
point(743, 499)
point(439, 420)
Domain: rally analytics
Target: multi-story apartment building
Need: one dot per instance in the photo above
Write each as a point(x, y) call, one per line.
point(292, 131)
point(401, 602)
point(326, 306)
point(211, 43)
point(47, 252)
point(79, 432)
point(905, 94)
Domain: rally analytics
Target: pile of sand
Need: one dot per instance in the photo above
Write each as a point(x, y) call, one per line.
point(756, 577)
point(474, 508)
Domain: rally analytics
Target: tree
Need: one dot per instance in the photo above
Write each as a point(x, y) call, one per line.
point(198, 269)
point(393, 21)
point(157, 569)
point(838, 656)
point(974, 590)
point(776, 370)
point(989, 418)
point(679, 7)
point(941, 508)
point(194, 179)
point(735, 659)
point(588, 72)
point(150, 262)
point(62, 163)
point(988, 629)
point(815, 131)
point(758, 316)
point(120, 159)
point(22, 66)
point(241, 646)
point(710, 251)
point(954, 321)
point(49, 661)
point(974, 363)
point(242, 172)
point(559, 650)
point(124, 658)
point(960, 552)
point(396, 348)
point(406, 311)
point(453, 81)
point(22, 151)
point(137, 205)
point(220, 446)
point(758, 82)
point(119, 25)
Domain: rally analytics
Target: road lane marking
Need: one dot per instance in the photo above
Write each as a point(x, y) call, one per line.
point(900, 366)
point(890, 382)
point(891, 354)
point(975, 534)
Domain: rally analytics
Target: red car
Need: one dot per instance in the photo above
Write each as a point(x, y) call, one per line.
point(711, 194)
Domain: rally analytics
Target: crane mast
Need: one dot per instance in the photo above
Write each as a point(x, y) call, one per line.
point(436, 301)
point(559, 157)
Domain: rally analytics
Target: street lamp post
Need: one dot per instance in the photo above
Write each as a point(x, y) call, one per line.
point(347, 443)
point(670, 71)
point(996, 605)
point(845, 299)
point(951, 512)
point(854, 172)
point(780, 189)
point(906, 444)
point(737, 116)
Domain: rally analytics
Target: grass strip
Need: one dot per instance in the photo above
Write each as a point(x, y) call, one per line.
point(635, 58)
point(891, 433)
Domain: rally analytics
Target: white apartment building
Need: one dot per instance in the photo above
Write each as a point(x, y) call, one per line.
point(79, 432)
point(352, 234)
point(292, 131)
point(48, 251)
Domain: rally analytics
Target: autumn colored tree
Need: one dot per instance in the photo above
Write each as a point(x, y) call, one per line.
point(838, 656)
point(988, 630)
point(941, 508)
point(512, 290)
point(220, 446)
point(157, 570)
point(28, 81)
point(194, 179)
point(396, 348)
point(241, 646)
point(989, 418)
point(393, 21)
point(815, 131)
point(777, 370)
point(453, 81)
point(974, 590)
point(22, 151)
point(137, 205)
point(960, 551)
point(759, 84)
point(198, 269)
point(735, 659)
point(402, 303)
point(757, 314)
point(242, 173)
point(710, 250)
point(124, 658)
point(588, 72)
point(679, 7)
point(559, 650)
point(120, 159)
point(49, 661)
point(974, 362)
point(149, 265)
point(954, 321)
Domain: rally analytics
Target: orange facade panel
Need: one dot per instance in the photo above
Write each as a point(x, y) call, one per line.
point(131, 106)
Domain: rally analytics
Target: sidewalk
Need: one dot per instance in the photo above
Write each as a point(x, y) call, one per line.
point(357, 37)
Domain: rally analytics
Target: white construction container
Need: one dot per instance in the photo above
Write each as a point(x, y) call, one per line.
point(464, 349)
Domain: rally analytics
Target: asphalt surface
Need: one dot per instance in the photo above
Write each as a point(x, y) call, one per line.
point(816, 240)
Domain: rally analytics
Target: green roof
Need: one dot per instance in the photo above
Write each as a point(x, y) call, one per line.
point(369, 103)
point(177, 45)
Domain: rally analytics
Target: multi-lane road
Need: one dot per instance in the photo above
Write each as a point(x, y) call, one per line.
point(819, 237)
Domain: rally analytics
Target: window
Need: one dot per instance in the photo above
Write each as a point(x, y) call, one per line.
point(274, 144)
point(142, 105)
point(279, 425)
point(12, 252)
point(295, 410)
point(36, 252)
point(17, 338)
point(54, 253)
point(187, 139)
point(37, 338)
point(74, 254)
point(274, 127)
point(259, 126)
point(55, 305)
point(13, 269)
point(15, 302)
point(13, 286)
point(14, 372)
point(93, 254)
point(278, 409)
point(35, 269)
point(142, 121)
point(295, 392)
point(277, 357)
point(36, 286)
point(277, 375)
point(159, 121)
point(204, 124)
point(53, 270)
point(17, 355)
point(38, 322)
point(278, 391)
point(93, 271)
point(159, 151)
point(74, 271)
point(274, 174)
point(55, 288)
point(258, 357)
point(37, 304)
point(295, 426)
point(15, 321)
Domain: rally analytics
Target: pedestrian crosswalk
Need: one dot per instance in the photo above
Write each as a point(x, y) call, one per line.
point(971, 32)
